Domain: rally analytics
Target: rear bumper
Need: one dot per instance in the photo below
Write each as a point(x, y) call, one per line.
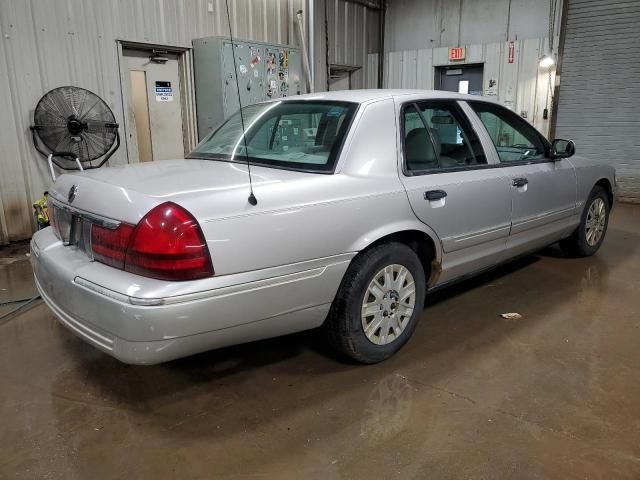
point(113, 310)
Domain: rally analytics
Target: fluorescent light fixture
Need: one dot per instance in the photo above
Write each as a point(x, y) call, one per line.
point(547, 61)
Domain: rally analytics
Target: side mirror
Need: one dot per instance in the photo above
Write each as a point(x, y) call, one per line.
point(562, 149)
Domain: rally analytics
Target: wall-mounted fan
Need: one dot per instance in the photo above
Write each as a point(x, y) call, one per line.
point(73, 127)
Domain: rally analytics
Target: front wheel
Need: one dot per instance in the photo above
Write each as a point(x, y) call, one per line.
point(375, 311)
point(587, 238)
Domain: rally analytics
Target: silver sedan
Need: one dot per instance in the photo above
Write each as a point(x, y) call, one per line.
point(366, 201)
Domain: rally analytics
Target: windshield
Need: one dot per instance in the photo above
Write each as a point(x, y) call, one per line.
point(300, 135)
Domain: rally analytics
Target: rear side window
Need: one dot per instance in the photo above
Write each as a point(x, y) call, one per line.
point(300, 135)
point(438, 136)
point(514, 139)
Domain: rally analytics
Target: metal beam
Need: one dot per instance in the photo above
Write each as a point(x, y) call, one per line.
point(366, 3)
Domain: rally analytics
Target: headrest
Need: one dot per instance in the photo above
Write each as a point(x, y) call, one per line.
point(419, 149)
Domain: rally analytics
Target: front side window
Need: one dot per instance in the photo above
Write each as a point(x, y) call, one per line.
point(438, 136)
point(514, 139)
point(304, 135)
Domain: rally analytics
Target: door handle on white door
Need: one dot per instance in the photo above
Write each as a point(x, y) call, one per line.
point(520, 182)
point(433, 195)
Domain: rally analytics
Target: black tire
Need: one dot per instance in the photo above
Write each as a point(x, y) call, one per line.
point(577, 244)
point(344, 325)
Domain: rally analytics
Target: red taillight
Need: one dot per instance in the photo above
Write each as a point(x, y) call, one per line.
point(167, 244)
point(109, 246)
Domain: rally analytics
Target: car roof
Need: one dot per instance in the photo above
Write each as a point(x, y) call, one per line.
point(369, 95)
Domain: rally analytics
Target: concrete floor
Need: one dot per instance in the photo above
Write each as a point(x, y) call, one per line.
point(554, 394)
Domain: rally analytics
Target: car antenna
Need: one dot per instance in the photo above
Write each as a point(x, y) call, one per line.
point(252, 198)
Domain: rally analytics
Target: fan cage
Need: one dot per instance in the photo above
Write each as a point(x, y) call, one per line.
point(72, 122)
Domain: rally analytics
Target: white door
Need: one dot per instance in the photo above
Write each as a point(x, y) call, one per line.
point(452, 187)
point(155, 128)
point(543, 190)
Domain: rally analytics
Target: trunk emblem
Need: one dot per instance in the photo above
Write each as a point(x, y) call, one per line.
point(72, 193)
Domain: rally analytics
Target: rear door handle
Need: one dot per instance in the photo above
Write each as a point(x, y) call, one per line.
point(520, 182)
point(433, 195)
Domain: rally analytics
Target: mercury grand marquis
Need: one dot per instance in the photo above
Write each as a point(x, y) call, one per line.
point(366, 201)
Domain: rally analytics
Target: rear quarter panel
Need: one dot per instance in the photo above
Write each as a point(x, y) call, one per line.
point(321, 215)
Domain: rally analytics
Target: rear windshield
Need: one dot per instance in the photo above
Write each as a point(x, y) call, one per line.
point(300, 135)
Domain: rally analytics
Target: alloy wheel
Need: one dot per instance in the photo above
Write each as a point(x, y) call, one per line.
point(388, 304)
point(595, 223)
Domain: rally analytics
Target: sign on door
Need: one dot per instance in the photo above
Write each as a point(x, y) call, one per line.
point(164, 92)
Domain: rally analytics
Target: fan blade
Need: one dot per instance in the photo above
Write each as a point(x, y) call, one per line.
point(96, 142)
point(98, 111)
point(84, 150)
point(51, 109)
point(82, 103)
point(62, 145)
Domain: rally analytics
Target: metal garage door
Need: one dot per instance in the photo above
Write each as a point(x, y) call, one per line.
point(599, 99)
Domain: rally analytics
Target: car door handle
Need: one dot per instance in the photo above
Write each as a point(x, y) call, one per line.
point(433, 195)
point(520, 182)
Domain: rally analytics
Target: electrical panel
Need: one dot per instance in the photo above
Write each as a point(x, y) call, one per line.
point(264, 71)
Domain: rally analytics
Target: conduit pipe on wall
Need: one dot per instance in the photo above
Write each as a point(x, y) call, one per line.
point(305, 55)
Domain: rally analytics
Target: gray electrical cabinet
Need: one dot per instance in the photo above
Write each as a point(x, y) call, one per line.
point(264, 71)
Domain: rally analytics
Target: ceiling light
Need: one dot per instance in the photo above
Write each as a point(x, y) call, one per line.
point(547, 61)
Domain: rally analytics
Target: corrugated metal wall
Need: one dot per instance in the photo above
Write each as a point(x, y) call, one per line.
point(522, 85)
point(49, 43)
point(599, 99)
point(353, 35)
point(414, 24)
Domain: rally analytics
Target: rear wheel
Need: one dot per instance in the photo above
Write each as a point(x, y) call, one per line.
point(587, 238)
point(376, 308)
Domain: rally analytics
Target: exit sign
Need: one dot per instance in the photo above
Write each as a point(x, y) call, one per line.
point(457, 53)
